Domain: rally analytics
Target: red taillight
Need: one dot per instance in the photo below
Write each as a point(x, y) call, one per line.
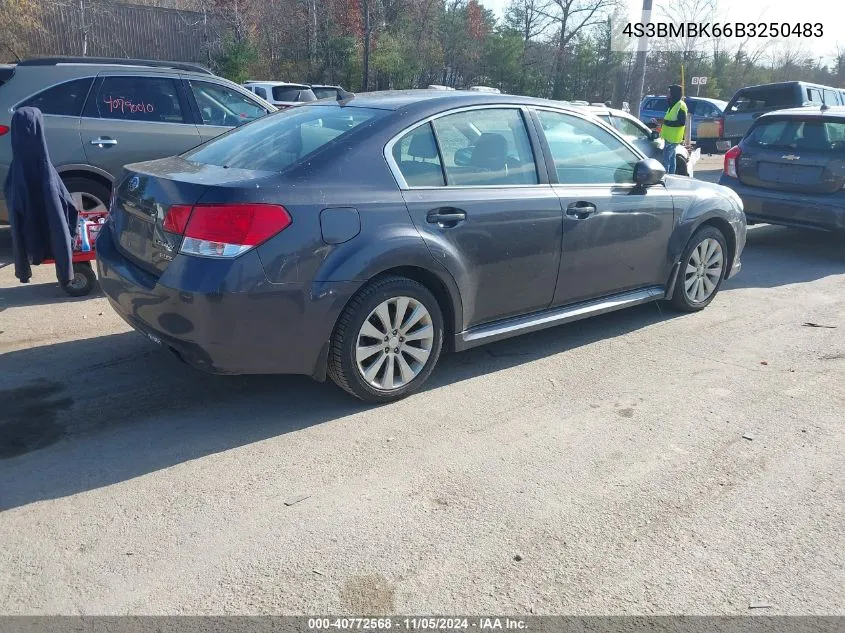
point(228, 230)
point(720, 127)
point(4, 129)
point(177, 218)
point(731, 157)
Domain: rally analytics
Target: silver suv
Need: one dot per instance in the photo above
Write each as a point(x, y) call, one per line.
point(101, 114)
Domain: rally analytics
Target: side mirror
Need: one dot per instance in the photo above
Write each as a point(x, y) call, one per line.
point(648, 172)
point(463, 156)
point(654, 135)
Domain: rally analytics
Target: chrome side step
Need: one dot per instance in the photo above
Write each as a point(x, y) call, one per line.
point(558, 316)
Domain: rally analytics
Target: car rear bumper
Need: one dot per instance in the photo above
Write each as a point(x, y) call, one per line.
point(816, 211)
point(266, 328)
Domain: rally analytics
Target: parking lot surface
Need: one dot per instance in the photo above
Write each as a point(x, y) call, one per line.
point(641, 462)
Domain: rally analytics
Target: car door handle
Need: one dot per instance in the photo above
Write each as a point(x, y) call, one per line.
point(446, 218)
point(580, 210)
point(104, 141)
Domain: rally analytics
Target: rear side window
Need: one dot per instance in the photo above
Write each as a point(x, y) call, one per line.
point(260, 92)
point(757, 99)
point(814, 135)
point(486, 147)
point(65, 99)
point(830, 97)
point(298, 94)
point(417, 157)
point(222, 106)
point(278, 141)
point(153, 99)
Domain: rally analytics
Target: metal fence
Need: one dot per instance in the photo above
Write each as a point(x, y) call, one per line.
point(111, 29)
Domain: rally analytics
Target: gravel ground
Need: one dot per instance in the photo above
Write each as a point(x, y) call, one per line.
point(642, 462)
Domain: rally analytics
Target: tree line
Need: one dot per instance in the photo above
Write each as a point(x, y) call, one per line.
point(560, 49)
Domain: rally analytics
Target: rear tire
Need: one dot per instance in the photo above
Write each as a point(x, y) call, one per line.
point(88, 194)
point(703, 267)
point(384, 362)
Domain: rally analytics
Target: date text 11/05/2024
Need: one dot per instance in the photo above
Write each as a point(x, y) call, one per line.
point(727, 29)
point(417, 624)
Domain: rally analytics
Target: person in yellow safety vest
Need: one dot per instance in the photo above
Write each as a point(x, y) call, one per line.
point(674, 125)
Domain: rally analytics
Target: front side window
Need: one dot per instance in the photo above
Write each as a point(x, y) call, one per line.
point(260, 92)
point(584, 153)
point(65, 99)
point(486, 147)
point(281, 140)
point(222, 106)
point(417, 158)
point(134, 98)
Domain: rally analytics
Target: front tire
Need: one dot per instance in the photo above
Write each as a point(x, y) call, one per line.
point(703, 267)
point(387, 340)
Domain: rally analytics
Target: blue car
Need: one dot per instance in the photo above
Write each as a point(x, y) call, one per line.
point(706, 117)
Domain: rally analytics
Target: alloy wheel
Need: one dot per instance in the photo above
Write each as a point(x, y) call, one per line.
point(703, 270)
point(394, 343)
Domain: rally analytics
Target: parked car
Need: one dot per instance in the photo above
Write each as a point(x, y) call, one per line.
point(705, 114)
point(359, 239)
point(790, 168)
point(281, 94)
point(100, 114)
point(495, 91)
point(326, 92)
point(749, 103)
point(642, 137)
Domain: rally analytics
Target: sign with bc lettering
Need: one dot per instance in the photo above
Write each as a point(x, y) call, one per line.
point(699, 81)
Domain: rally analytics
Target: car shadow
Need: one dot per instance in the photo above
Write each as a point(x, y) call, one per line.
point(36, 294)
point(780, 256)
point(85, 414)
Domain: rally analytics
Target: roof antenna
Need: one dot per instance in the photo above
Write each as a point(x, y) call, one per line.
point(344, 96)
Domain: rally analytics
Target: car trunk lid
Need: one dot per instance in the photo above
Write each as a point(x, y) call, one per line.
point(146, 195)
point(795, 154)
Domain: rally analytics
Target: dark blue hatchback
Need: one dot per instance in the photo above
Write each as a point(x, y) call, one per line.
point(790, 169)
point(357, 239)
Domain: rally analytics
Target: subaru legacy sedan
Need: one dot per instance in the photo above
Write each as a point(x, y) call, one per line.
point(358, 239)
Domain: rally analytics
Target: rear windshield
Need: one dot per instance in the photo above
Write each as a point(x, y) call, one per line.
point(276, 142)
point(813, 135)
point(325, 93)
point(756, 99)
point(657, 103)
point(293, 93)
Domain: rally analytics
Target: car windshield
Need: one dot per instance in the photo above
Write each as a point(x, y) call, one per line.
point(297, 94)
point(815, 135)
point(280, 140)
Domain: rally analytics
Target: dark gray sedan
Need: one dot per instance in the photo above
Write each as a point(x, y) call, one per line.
point(790, 169)
point(358, 239)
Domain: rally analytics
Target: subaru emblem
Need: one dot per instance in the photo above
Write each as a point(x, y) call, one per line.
point(134, 183)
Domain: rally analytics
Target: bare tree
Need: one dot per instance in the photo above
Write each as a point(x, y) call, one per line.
point(572, 17)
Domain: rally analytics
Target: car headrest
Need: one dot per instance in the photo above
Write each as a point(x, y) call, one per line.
point(490, 152)
point(422, 146)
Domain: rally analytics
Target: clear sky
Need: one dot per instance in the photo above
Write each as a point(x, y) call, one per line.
point(831, 13)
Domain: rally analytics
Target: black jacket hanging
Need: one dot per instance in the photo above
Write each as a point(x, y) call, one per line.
point(41, 212)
